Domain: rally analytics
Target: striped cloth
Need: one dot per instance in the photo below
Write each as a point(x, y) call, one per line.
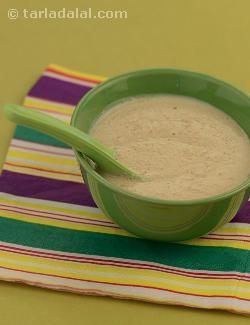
point(52, 234)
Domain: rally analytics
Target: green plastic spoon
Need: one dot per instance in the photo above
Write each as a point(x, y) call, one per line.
point(104, 157)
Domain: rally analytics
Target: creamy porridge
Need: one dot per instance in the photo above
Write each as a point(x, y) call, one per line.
point(185, 148)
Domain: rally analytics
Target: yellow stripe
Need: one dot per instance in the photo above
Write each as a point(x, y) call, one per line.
point(55, 208)
point(115, 231)
point(65, 209)
point(25, 164)
point(110, 290)
point(42, 157)
point(29, 171)
point(198, 242)
point(96, 216)
point(76, 73)
point(182, 301)
point(121, 275)
point(41, 104)
point(228, 229)
point(218, 243)
point(62, 224)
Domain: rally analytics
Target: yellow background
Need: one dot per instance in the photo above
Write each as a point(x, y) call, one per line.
point(211, 36)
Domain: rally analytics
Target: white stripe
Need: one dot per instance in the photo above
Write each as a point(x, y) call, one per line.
point(121, 276)
point(124, 260)
point(69, 79)
point(52, 149)
point(145, 294)
point(36, 163)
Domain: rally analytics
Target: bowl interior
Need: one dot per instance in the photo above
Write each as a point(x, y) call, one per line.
point(162, 81)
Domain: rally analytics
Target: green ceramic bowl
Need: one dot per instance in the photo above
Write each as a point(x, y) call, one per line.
point(155, 218)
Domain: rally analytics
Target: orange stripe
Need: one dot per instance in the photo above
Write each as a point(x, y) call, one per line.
point(73, 76)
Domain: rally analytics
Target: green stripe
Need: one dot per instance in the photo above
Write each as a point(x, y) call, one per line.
point(82, 242)
point(27, 134)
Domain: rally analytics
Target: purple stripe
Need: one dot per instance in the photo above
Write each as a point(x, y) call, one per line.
point(58, 90)
point(45, 188)
point(243, 215)
point(66, 191)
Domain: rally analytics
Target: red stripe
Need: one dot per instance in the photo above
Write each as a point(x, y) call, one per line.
point(128, 266)
point(99, 261)
point(73, 76)
point(55, 214)
point(126, 285)
point(229, 239)
point(227, 235)
point(44, 151)
point(60, 219)
point(88, 291)
point(42, 169)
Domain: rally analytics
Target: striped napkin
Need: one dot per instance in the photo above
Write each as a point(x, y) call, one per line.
point(52, 234)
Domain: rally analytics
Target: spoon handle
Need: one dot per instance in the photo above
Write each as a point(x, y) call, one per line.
point(104, 157)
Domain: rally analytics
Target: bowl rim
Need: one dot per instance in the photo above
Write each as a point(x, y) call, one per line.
point(84, 160)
